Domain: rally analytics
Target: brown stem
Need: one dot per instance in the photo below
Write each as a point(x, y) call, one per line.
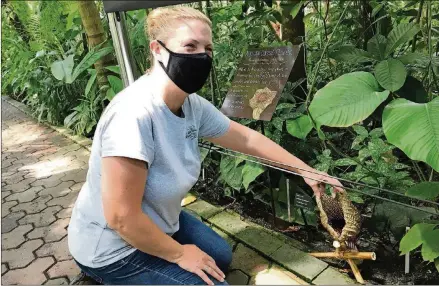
point(345, 255)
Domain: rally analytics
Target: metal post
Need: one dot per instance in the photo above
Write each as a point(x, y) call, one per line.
point(122, 48)
point(288, 200)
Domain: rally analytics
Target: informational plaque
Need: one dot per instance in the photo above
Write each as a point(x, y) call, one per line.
point(303, 201)
point(259, 81)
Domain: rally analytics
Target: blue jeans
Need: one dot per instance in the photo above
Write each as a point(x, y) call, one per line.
point(140, 268)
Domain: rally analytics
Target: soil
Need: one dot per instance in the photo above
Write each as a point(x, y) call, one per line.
point(388, 269)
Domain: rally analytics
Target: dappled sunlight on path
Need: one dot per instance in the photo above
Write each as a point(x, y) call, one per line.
point(42, 174)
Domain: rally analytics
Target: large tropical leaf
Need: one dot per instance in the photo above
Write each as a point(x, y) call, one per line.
point(390, 74)
point(347, 100)
point(377, 46)
point(414, 59)
point(424, 190)
point(400, 35)
point(415, 237)
point(91, 81)
point(250, 172)
point(352, 55)
point(89, 59)
point(414, 128)
point(230, 172)
point(62, 70)
point(430, 247)
point(115, 83)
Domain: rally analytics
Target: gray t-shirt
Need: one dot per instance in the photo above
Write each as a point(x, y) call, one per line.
point(139, 125)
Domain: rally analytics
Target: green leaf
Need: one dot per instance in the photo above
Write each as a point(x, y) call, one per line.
point(414, 128)
point(360, 130)
point(401, 34)
point(299, 127)
point(415, 237)
point(377, 9)
point(115, 69)
point(390, 74)
point(231, 174)
point(355, 198)
point(377, 46)
point(352, 55)
point(376, 133)
point(347, 100)
point(436, 263)
point(278, 123)
point(424, 190)
point(357, 141)
point(203, 153)
point(414, 59)
point(62, 70)
point(90, 82)
point(90, 58)
point(69, 120)
point(345, 162)
point(250, 172)
point(430, 247)
point(285, 106)
point(115, 83)
point(110, 94)
point(296, 9)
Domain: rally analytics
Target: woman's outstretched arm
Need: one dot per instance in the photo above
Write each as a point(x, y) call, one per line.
point(245, 140)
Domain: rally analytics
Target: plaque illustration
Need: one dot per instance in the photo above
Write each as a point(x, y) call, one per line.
point(258, 83)
point(261, 99)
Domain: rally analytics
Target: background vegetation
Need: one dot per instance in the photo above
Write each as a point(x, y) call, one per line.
point(361, 102)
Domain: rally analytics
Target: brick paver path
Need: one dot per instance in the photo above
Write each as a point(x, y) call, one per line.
point(42, 174)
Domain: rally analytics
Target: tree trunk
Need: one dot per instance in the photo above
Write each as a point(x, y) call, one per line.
point(293, 30)
point(95, 35)
point(366, 21)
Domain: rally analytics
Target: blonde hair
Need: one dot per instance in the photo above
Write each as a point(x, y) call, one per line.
point(160, 22)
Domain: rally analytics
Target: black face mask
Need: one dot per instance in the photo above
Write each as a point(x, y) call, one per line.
point(188, 71)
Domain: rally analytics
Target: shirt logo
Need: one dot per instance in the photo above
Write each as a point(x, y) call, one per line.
point(191, 132)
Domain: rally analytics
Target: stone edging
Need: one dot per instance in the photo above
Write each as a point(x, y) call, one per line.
point(283, 250)
point(276, 247)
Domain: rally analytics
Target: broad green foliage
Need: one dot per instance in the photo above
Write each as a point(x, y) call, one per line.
point(424, 190)
point(377, 46)
point(396, 218)
point(423, 234)
point(299, 127)
point(414, 128)
point(390, 74)
point(62, 70)
point(250, 172)
point(347, 100)
point(352, 54)
point(238, 173)
point(400, 35)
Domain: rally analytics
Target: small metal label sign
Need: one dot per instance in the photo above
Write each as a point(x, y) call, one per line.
point(302, 200)
point(259, 81)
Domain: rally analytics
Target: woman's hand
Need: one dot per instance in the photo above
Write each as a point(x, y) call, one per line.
point(197, 261)
point(316, 178)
